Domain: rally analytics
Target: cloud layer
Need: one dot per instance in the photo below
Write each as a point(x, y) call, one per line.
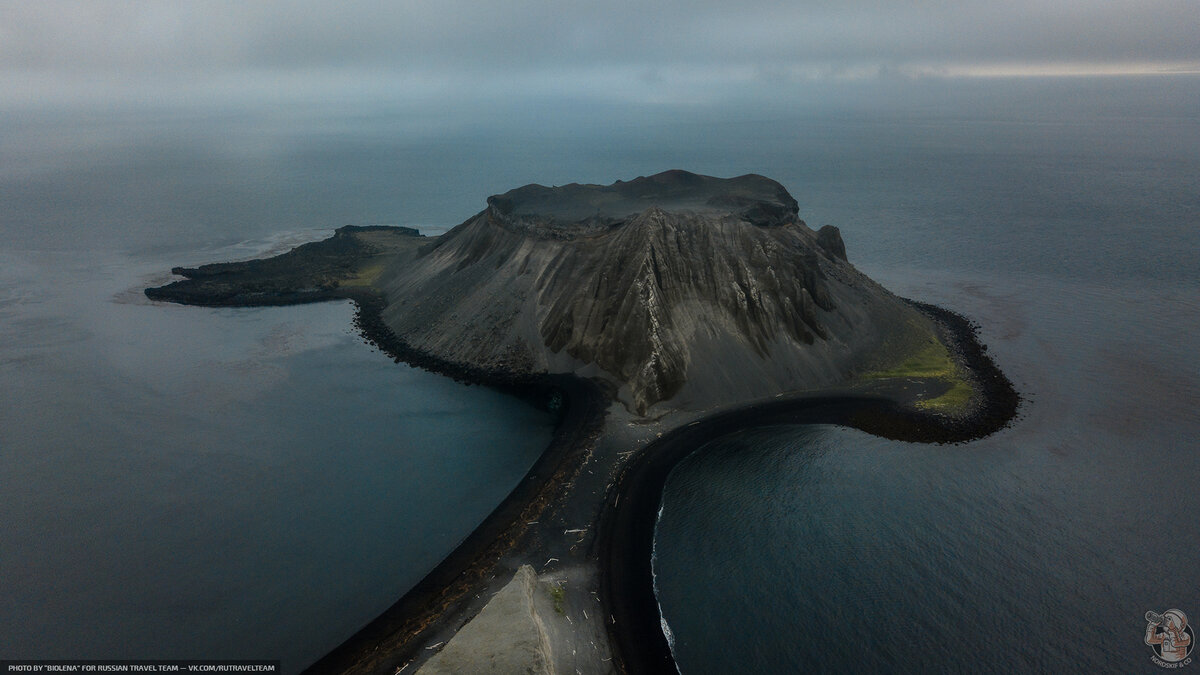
point(428, 48)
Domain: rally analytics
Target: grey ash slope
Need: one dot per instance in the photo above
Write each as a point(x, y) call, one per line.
point(681, 291)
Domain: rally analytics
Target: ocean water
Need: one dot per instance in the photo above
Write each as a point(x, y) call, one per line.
point(1038, 549)
point(185, 482)
point(256, 483)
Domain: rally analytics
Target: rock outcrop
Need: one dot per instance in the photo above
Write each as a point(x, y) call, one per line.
point(678, 290)
point(342, 266)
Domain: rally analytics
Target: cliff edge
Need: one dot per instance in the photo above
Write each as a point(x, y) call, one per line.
point(679, 291)
point(697, 303)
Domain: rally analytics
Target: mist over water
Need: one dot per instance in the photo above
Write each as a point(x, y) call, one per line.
point(257, 482)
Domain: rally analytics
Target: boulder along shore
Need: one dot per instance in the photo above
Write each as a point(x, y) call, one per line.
point(650, 317)
point(631, 509)
point(620, 537)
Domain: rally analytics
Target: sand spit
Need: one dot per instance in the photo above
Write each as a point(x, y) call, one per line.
point(887, 408)
point(651, 316)
point(507, 637)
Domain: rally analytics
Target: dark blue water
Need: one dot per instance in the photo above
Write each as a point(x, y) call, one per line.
point(183, 482)
point(197, 483)
point(257, 483)
point(1039, 549)
point(1036, 550)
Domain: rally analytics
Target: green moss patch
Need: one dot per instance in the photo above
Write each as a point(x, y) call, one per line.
point(933, 361)
point(364, 276)
point(559, 596)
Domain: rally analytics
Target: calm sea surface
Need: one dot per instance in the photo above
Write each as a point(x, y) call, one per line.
point(1039, 549)
point(257, 483)
point(185, 482)
point(182, 482)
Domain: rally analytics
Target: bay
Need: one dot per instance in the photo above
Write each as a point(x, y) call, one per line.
point(258, 482)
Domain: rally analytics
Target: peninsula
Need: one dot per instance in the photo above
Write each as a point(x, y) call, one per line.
point(652, 316)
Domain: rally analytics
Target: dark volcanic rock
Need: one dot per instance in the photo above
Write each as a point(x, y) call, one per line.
point(674, 287)
point(674, 290)
point(311, 272)
point(830, 239)
point(572, 210)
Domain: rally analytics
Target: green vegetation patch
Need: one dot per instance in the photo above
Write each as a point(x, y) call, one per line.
point(559, 595)
point(933, 361)
point(365, 276)
point(353, 259)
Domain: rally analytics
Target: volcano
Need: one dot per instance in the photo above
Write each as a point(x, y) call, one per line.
point(677, 290)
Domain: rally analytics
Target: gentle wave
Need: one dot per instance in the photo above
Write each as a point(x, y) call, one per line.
point(662, 619)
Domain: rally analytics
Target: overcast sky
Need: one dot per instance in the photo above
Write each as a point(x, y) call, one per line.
point(59, 49)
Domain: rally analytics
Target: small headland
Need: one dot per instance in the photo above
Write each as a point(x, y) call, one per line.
point(651, 316)
point(347, 265)
point(884, 407)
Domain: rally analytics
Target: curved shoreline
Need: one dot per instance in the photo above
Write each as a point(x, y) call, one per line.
point(446, 596)
point(626, 530)
point(393, 638)
point(625, 518)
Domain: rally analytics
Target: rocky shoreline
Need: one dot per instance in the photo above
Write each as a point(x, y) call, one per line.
point(395, 637)
point(623, 538)
point(319, 272)
point(626, 530)
point(618, 314)
point(624, 533)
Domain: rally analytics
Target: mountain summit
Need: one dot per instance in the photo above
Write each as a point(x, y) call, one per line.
point(677, 289)
point(574, 209)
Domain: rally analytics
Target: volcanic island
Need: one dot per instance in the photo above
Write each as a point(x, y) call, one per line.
point(650, 316)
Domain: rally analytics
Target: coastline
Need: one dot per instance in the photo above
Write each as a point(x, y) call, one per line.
point(394, 638)
point(340, 268)
point(624, 536)
point(626, 532)
point(614, 508)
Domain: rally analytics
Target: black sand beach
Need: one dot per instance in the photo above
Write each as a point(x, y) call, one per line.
point(395, 637)
point(626, 533)
point(620, 544)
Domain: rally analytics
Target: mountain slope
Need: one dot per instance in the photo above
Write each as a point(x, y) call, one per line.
point(677, 289)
